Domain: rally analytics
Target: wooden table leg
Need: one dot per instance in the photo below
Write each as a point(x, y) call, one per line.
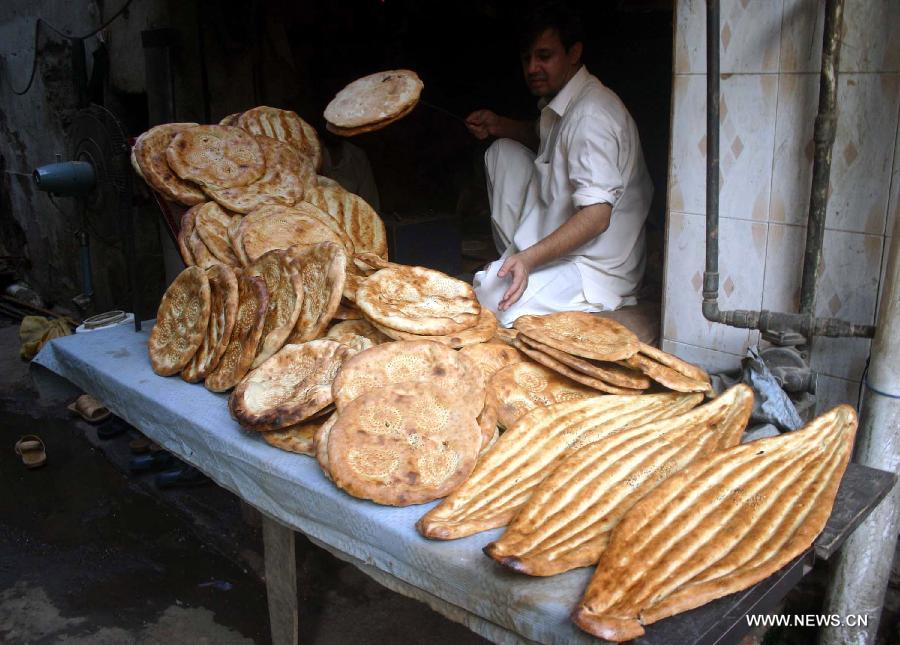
point(281, 581)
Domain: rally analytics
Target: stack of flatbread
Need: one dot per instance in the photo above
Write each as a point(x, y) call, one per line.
point(415, 303)
point(603, 354)
point(373, 102)
point(406, 427)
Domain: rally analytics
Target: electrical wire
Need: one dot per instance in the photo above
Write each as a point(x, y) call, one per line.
point(37, 29)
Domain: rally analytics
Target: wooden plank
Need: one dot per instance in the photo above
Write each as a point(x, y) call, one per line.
point(861, 490)
point(281, 581)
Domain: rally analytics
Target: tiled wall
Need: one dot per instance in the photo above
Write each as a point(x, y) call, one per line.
point(770, 56)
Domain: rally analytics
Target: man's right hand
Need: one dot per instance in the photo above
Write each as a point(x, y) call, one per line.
point(483, 124)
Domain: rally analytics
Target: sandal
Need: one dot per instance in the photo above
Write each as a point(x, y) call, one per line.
point(89, 409)
point(31, 450)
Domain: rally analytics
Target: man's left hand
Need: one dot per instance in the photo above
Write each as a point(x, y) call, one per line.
point(517, 267)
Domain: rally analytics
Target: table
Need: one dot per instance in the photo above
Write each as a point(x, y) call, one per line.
point(453, 577)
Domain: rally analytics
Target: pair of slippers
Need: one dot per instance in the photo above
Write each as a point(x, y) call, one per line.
point(31, 451)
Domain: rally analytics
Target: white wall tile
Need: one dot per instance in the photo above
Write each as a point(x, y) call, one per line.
point(711, 360)
point(863, 153)
point(868, 41)
point(798, 96)
point(750, 36)
point(784, 267)
point(801, 36)
point(831, 391)
point(742, 248)
point(746, 144)
point(847, 289)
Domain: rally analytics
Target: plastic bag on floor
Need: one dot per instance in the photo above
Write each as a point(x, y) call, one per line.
point(37, 330)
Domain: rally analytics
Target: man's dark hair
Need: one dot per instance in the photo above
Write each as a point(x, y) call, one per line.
point(545, 15)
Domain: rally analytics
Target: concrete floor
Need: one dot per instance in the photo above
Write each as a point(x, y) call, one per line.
point(91, 554)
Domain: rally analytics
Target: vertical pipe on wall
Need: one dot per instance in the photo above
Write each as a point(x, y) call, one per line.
point(711, 274)
point(859, 577)
point(825, 127)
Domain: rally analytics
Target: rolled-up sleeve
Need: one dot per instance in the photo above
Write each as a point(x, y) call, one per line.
point(593, 155)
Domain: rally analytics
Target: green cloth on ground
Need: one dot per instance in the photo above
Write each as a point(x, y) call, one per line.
point(37, 330)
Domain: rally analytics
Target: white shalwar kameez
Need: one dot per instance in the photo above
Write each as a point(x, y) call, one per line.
point(589, 153)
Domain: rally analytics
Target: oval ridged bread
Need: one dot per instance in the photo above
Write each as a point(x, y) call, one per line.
point(286, 179)
point(290, 387)
point(527, 453)
point(418, 300)
point(280, 227)
point(523, 386)
point(403, 445)
point(322, 268)
point(150, 154)
point(181, 322)
point(223, 286)
point(253, 304)
point(231, 119)
point(410, 362)
point(374, 99)
point(567, 521)
point(285, 300)
point(717, 527)
point(286, 126)
point(212, 223)
point(581, 334)
point(356, 217)
point(611, 373)
point(482, 331)
point(216, 156)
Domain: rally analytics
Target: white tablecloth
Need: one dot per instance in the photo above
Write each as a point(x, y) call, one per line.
point(454, 577)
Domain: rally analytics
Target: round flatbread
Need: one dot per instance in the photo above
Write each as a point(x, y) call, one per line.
point(522, 387)
point(280, 227)
point(611, 373)
point(322, 268)
point(400, 445)
point(356, 217)
point(181, 322)
point(223, 298)
point(581, 334)
point(575, 375)
point(203, 257)
point(410, 361)
point(186, 229)
point(418, 300)
point(347, 310)
point(286, 179)
point(666, 375)
point(234, 238)
point(493, 356)
point(285, 290)
point(216, 156)
point(372, 127)
point(374, 99)
point(285, 126)
point(231, 119)
point(350, 328)
point(290, 387)
point(300, 438)
point(669, 360)
point(150, 154)
point(253, 303)
point(482, 331)
point(321, 443)
point(212, 224)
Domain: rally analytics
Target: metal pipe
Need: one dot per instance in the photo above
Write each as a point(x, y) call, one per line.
point(859, 577)
point(766, 321)
point(825, 127)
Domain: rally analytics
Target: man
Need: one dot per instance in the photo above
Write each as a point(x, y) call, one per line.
point(569, 197)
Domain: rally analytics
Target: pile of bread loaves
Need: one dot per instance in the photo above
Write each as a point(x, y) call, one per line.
point(612, 453)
